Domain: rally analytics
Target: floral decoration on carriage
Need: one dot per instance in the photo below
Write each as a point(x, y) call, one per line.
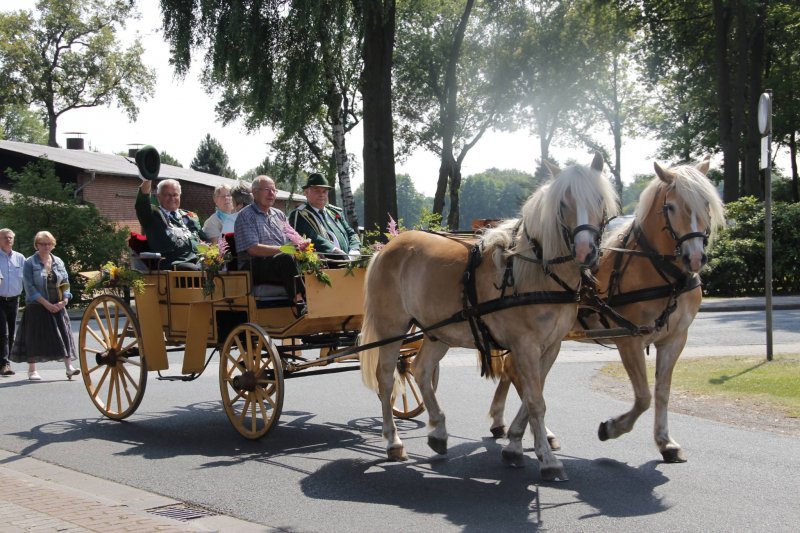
point(302, 249)
point(116, 279)
point(213, 258)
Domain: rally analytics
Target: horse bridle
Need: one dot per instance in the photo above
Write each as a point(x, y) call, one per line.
point(569, 238)
point(679, 240)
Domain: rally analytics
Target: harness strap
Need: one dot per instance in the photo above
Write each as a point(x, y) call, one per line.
point(480, 331)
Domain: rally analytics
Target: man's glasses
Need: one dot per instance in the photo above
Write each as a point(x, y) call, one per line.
point(265, 189)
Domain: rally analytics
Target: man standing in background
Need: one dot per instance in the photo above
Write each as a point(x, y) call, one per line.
point(10, 288)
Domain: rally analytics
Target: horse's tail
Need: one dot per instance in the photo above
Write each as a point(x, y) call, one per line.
point(496, 368)
point(369, 357)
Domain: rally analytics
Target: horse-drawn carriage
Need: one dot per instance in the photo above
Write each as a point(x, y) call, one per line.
point(261, 343)
point(518, 287)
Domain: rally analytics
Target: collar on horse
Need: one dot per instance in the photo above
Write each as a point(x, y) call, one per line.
point(677, 281)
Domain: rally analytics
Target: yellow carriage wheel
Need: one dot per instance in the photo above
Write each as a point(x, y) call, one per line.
point(251, 381)
point(409, 403)
point(110, 353)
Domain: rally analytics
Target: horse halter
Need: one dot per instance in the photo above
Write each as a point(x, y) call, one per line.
point(569, 237)
point(679, 240)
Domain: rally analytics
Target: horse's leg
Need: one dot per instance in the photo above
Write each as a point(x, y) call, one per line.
point(632, 353)
point(547, 364)
point(527, 359)
point(497, 409)
point(666, 356)
point(387, 364)
point(425, 363)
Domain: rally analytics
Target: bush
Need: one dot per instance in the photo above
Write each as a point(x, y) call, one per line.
point(39, 201)
point(737, 263)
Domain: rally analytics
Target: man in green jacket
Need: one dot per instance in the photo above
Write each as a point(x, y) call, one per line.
point(323, 223)
point(170, 231)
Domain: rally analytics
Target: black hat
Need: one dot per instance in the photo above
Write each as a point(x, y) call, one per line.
point(148, 161)
point(316, 180)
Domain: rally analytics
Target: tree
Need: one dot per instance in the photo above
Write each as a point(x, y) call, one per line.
point(22, 125)
point(452, 84)
point(69, 58)
point(292, 66)
point(380, 192)
point(39, 201)
point(494, 193)
point(552, 54)
point(168, 159)
point(211, 158)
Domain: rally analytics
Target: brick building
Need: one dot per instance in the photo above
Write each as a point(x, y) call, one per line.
point(111, 182)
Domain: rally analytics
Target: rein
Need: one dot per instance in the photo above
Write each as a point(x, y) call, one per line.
point(676, 280)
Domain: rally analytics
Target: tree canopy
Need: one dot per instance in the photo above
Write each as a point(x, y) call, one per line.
point(211, 158)
point(67, 57)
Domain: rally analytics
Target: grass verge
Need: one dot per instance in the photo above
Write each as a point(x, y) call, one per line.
point(775, 383)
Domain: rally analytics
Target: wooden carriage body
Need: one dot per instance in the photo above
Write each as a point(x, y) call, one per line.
point(173, 310)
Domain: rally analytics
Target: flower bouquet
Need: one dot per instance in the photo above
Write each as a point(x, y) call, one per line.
point(213, 258)
point(116, 279)
point(303, 251)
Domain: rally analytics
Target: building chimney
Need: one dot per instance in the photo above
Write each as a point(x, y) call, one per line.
point(133, 148)
point(74, 141)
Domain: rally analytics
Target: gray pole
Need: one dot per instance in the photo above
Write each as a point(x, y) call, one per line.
point(765, 121)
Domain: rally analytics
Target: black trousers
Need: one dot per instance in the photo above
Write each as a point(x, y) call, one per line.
point(8, 324)
point(279, 269)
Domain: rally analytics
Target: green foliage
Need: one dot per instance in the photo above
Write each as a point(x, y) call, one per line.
point(736, 267)
point(411, 204)
point(167, 159)
point(39, 201)
point(68, 57)
point(494, 194)
point(211, 158)
point(21, 124)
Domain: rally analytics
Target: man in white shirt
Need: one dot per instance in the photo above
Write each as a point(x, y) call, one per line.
point(11, 263)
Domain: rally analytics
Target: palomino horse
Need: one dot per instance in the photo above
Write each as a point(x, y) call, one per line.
point(649, 275)
point(422, 279)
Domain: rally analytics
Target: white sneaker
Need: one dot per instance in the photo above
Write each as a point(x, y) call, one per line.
point(34, 376)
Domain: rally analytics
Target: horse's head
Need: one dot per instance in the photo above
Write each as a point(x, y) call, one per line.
point(689, 209)
point(585, 200)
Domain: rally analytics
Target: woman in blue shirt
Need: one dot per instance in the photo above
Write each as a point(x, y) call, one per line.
point(44, 332)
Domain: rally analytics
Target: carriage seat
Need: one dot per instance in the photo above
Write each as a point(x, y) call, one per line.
point(142, 259)
point(265, 294)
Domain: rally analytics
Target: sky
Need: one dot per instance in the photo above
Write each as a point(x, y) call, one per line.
point(180, 115)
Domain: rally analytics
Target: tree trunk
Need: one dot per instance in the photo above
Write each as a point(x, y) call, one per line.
point(52, 126)
point(727, 140)
point(380, 194)
point(449, 116)
point(793, 157)
point(755, 19)
point(616, 128)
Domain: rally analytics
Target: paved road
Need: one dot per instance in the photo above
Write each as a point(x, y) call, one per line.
point(322, 469)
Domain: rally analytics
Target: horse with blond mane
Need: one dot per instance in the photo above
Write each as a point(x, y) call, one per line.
point(649, 277)
point(432, 280)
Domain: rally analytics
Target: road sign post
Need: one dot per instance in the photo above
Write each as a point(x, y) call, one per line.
point(765, 127)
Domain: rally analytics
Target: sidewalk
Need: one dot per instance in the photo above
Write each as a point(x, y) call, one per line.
point(40, 496)
point(748, 303)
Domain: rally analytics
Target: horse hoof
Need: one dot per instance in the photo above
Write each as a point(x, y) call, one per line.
point(673, 455)
point(602, 431)
point(498, 432)
point(514, 459)
point(554, 473)
point(397, 454)
point(554, 443)
point(438, 445)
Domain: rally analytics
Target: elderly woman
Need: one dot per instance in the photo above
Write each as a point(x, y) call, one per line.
point(221, 222)
point(44, 332)
point(242, 196)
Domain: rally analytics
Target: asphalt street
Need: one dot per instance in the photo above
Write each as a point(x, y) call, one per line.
point(323, 469)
